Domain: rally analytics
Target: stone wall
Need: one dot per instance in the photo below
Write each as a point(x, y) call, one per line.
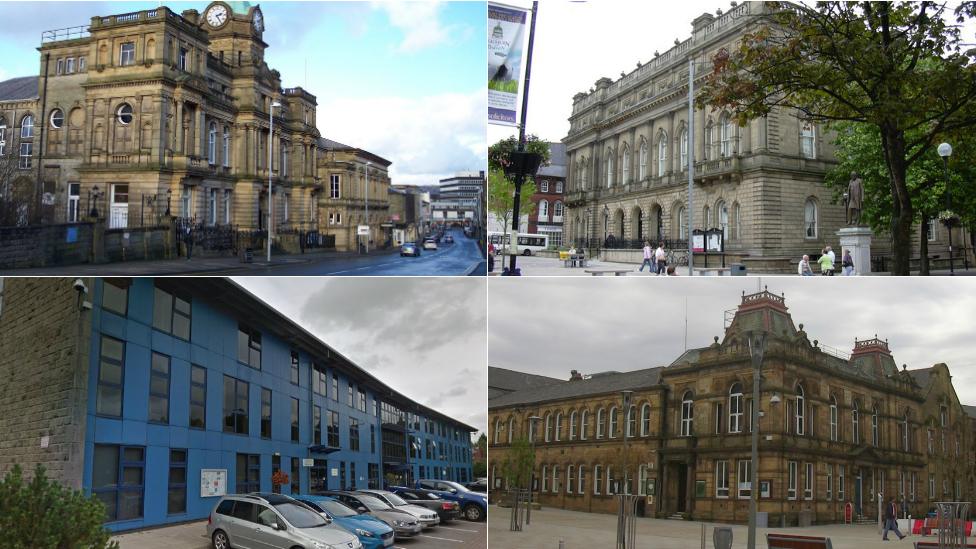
point(43, 362)
point(45, 245)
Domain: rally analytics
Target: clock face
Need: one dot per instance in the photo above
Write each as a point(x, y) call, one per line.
point(258, 21)
point(217, 15)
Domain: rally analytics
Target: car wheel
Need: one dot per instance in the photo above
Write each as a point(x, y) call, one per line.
point(473, 513)
point(220, 540)
point(527, 252)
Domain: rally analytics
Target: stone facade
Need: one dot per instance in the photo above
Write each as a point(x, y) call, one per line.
point(154, 113)
point(42, 408)
point(853, 425)
point(760, 184)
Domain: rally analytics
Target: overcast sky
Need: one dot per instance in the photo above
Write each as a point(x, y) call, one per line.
point(425, 337)
point(404, 80)
point(549, 326)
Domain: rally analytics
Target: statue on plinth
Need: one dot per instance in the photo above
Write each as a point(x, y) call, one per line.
point(855, 200)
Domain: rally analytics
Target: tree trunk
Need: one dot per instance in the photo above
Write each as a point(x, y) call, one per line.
point(893, 145)
point(923, 247)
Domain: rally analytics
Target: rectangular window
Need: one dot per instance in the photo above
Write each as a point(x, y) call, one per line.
point(335, 386)
point(333, 429)
point(198, 397)
point(171, 314)
point(296, 475)
point(334, 186)
point(159, 389)
point(81, 64)
point(362, 400)
point(830, 480)
point(118, 480)
point(249, 346)
point(317, 424)
point(127, 54)
point(319, 379)
point(791, 486)
point(26, 155)
point(840, 483)
point(349, 395)
point(744, 478)
point(931, 486)
point(248, 473)
point(235, 406)
point(265, 413)
point(176, 500)
point(294, 368)
point(294, 420)
point(108, 397)
point(354, 434)
point(808, 481)
point(74, 199)
point(372, 439)
point(722, 479)
point(60, 67)
point(115, 295)
point(69, 65)
point(227, 203)
point(183, 58)
point(353, 481)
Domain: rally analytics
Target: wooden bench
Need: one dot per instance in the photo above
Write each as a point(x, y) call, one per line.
point(790, 541)
point(601, 272)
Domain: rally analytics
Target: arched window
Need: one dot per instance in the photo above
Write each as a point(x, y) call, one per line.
point(801, 411)
point(570, 479)
point(511, 429)
point(855, 423)
point(226, 152)
point(498, 431)
point(833, 418)
point(682, 221)
point(687, 414)
point(662, 154)
point(548, 431)
point(599, 423)
point(723, 218)
point(545, 478)
point(610, 161)
point(706, 217)
point(810, 218)
point(57, 119)
point(642, 161)
point(584, 417)
point(124, 114)
point(613, 422)
point(212, 144)
point(559, 426)
point(709, 141)
point(543, 210)
point(874, 426)
point(626, 166)
point(632, 421)
point(557, 211)
point(735, 408)
point(736, 232)
point(555, 479)
point(581, 483)
point(27, 126)
point(572, 425)
point(597, 479)
point(726, 136)
point(683, 148)
point(645, 420)
point(808, 138)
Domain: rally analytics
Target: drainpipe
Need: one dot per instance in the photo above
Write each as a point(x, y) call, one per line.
point(38, 185)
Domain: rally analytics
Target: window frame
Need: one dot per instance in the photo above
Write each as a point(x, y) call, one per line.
point(124, 59)
point(177, 486)
point(121, 486)
point(120, 386)
point(156, 374)
point(238, 416)
point(203, 403)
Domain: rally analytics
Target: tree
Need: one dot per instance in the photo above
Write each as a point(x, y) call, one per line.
point(42, 513)
point(859, 149)
point(480, 468)
point(518, 464)
point(897, 66)
point(16, 192)
point(501, 190)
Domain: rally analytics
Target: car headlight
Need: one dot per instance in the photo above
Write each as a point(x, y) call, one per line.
point(364, 533)
point(400, 523)
point(320, 545)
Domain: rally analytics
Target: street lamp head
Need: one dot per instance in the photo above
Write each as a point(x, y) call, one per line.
point(275, 104)
point(774, 399)
point(945, 150)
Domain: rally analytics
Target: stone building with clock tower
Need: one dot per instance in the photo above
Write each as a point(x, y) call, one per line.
point(145, 115)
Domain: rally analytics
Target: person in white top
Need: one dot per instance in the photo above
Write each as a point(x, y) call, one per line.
point(803, 269)
point(833, 258)
point(647, 258)
point(662, 259)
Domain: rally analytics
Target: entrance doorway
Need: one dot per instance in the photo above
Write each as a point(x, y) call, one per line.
point(319, 477)
point(119, 206)
point(857, 492)
point(682, 495)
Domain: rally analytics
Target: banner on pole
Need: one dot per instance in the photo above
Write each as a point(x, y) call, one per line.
point(506, 32)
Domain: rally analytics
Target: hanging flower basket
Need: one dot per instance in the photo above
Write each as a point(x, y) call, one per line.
point(278, 479)
point(949, 218)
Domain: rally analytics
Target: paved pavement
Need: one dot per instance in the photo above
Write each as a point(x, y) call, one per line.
point(597, 531)
point(458, 534)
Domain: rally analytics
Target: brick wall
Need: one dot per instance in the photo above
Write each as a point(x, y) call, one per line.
point(43, 365)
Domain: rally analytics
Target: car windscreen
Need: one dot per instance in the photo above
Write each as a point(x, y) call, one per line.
point(337, 509)
point(456, 486)
point(300, 516)
point(373, 504)
point(395, 500)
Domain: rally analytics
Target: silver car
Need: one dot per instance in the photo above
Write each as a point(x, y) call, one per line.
point(425, 516)
point(273, 521)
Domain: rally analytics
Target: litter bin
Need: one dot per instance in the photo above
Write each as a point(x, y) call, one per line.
point(737, 269)
point(722, 537)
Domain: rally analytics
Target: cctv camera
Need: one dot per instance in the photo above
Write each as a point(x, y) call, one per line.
point(80, 286)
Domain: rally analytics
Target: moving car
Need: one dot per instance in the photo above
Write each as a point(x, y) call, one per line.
point(430, 244)
point(273, 521)
point(448, 239)
point(410, 248)
point(446, 510)
point(474, 506)
point(372, 532)
point(426, 517)
point(403, 523)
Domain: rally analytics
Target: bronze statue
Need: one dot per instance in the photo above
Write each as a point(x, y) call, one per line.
point(855, 200)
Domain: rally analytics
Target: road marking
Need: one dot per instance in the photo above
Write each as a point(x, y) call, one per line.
point(442, 539)
point(460, 529)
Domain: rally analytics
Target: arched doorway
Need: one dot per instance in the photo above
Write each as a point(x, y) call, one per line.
point(636, 224)
point(617, 227)
point(656, 222)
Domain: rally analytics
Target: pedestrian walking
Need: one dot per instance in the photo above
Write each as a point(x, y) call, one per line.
point(648, 254)
point(491, 257)
point(826, 263)
point(189, 239)
point(803, 269)
point(891, 519)
point(829, 251)
point(848, 263)
point(662, 259)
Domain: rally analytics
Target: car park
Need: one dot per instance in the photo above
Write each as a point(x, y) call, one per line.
point(410, 248)
point(446, 510)
point(474, 506)
point(404, 524)
point(428, 518)
point(372, 532)
point(273, 521)
point(478, 486)
point(430, 244)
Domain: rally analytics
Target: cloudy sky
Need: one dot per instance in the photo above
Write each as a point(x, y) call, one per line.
point(404, 80)
point(425, 337)
point(631, 323)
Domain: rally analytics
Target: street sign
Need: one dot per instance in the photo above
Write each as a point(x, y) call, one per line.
point(362, 230)
point(308, 462)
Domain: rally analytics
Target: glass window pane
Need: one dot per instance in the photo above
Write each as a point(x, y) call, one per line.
point(198, 375)
point(158, 409)
point(160, 363)
point(108, 499)
point(130, 505)
point(177, 456)
point(177, 475)
point(162, 311)
point(132, 454)
point(243, 350)
point(159, 385)
point(132, 476)
point(197, 416)
point(181, 326)
point(181, 305)
point(198, 394)
point(105, 467)
point(111, 348)
point(177, 501)
point(109, 401)
point(110, 373)
point(114, 298)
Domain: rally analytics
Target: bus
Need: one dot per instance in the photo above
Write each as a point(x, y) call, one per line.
point(528, 244)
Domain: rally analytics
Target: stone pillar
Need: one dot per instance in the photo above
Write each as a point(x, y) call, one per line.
point(858, 241)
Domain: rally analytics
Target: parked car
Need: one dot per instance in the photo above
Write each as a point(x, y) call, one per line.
point(474, 506)
point(430, 244)
point(446, 510)
point(448, 239)
point(403, 523)
point(372, 532)
point(410, 248)
point(478, 486)
point(427, 517)
point(273, 521)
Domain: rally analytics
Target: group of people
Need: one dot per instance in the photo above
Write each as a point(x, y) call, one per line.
point(826, 262)
point(656, 260)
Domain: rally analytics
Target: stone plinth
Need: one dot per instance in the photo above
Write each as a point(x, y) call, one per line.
point(858, 241)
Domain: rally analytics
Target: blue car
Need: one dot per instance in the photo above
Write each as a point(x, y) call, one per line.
point(474, 505)
point(371, 531)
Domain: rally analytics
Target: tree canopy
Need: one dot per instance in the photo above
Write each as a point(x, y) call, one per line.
point(501, 189)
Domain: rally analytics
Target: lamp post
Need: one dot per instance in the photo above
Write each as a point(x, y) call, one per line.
point(528, 509)
point(624, 499)
point(93, 195)
point(945, 151)
point(274, 105)
point(366, 202)
point(606, 221)
point(169, 201)
point(757, 347)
